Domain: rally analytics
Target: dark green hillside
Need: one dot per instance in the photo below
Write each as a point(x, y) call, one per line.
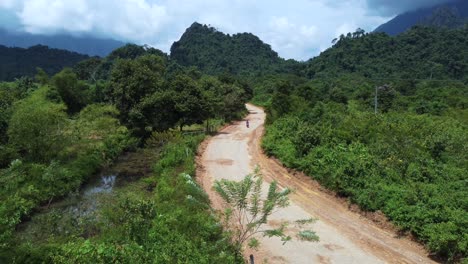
point(214, 52)
point(95, 68)
point(18, 62)
point(421, 53)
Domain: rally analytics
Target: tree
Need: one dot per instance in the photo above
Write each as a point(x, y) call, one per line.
point(306, 139)
point(24, 86)
point(234, 99)
point(132, 51)
point(280, 105)
point(386, 95)
point(72, 91)
point(337, 95)
point(133, 80)
point(36, 128)
point(87, 69)
point(154, 113)
point(191, 103)
point(247, 212)
point(6, 102)
point(41, 76)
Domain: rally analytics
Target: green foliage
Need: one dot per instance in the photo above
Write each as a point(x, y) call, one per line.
point(84, 251)
point(421, 53)
point(133, 80)
point(216, 53)
point(37, 127)
point(152, 99)
point(6, 101)
point(99, 69)
point(56, 136)
point(132, 51)
point(247, 211)
point(132, 84)
point(308, 235)
point(88, 69)
point(73, 93)
point(57, 153)
point(41, 76)
point(191, 103)
point(155, 112)
point(225, 96)
point(168, 223)
point(408, 163)
point(19, 62)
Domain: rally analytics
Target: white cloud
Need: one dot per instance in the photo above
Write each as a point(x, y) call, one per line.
point(135, 20)
point(7, 4)
point(296, 29)
point(39, 16)
point(345, 28)
point(291, 39)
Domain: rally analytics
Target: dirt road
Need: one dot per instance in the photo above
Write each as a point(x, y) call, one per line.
point(345, 236)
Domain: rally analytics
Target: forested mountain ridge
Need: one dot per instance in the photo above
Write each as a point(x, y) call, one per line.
point(420, 53)
point(449, 15)
point(214, 52)
point(82, 44)
point(18, 62)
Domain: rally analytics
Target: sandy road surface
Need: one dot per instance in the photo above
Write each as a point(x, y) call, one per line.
point(345, 236)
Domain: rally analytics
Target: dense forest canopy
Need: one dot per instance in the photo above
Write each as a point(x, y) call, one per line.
point(420, 53)
point(19, 62)
point(214, 52)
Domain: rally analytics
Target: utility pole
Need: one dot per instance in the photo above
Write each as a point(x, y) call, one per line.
point(376, 99)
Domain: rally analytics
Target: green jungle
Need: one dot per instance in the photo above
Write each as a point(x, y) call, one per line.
point(379, 120)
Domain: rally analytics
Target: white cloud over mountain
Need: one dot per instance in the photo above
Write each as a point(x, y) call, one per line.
point(297, 29)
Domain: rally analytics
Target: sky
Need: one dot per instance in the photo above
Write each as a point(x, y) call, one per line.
point(297, 29)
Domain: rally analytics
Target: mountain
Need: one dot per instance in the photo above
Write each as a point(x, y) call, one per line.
point(451, 15)
point(214, 52)
point(81, 44)
point(18, 62)
point(419, 53)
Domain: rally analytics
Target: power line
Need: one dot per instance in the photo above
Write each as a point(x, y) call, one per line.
point(394, 79)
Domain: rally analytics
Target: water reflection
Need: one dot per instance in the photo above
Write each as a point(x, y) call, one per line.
point(104, 186)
